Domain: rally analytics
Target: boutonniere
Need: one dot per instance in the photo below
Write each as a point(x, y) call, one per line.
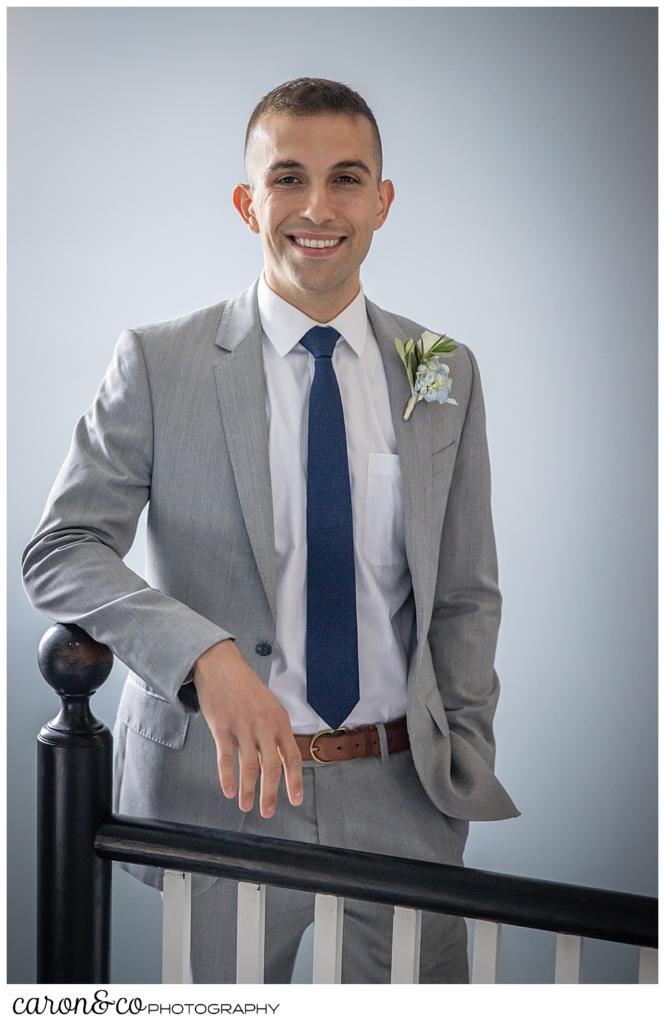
point(429, 377)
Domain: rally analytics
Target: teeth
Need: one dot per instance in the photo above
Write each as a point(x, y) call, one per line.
point(317, 243)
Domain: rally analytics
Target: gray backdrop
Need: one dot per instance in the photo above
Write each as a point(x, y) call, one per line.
point(522, 144)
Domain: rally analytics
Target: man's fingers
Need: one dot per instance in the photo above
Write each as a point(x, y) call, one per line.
point(270, 752)
point(271, 770)
point(226, 765)
point(248, 761)
point(292, 760)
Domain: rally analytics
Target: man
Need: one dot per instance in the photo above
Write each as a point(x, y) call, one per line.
point(320, 606)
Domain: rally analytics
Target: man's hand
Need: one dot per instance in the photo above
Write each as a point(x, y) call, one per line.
point(242, 712)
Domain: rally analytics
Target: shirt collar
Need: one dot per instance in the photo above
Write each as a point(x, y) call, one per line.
point(285, 325)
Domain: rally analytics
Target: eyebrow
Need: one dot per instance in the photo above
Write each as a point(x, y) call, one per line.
point(340, 165)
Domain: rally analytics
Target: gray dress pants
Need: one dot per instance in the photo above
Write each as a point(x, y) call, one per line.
point(376, 804)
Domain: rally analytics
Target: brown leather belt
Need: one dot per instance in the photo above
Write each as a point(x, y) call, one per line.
point(342, 744)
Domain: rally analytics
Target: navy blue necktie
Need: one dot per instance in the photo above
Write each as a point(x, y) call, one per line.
point(333, 687)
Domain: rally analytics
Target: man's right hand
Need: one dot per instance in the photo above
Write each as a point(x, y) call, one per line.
point(242, 712)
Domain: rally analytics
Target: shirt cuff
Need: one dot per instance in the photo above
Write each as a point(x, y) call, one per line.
point(188, 696)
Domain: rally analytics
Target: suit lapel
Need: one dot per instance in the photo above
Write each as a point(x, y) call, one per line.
point(414, 445)
point(241, 389)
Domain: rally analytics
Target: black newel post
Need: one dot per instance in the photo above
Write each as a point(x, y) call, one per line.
point(74, 787)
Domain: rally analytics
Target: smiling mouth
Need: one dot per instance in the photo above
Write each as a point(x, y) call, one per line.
point(317, 250)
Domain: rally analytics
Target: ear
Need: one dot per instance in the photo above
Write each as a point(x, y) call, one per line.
point(386, 196)
point(243, 202)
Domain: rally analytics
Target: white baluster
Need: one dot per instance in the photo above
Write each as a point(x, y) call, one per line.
point(250, 933)
point(406, 946)
point(486, 943)
point(176, 927)
point(328, 925)
point(568, 960)
point(648, 973)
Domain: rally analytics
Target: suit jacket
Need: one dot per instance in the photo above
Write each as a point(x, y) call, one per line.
point(179, 423)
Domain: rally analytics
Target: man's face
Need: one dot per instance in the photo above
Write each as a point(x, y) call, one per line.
point(314, 199)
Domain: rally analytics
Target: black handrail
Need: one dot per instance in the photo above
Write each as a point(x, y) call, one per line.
point(78, 837)
point(442, 888)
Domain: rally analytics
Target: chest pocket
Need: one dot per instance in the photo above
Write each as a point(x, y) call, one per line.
point(383, 527)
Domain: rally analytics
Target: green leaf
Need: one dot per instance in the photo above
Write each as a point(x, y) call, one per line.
point(442, 346)
point(408, 352)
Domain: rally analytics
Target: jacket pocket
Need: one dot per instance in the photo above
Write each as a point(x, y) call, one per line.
point(436, 709)
point(443, 458)
point(151, 716)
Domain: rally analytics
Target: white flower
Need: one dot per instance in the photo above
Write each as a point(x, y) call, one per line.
point(429, 377)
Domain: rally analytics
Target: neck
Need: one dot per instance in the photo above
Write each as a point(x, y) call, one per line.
point(322, 307)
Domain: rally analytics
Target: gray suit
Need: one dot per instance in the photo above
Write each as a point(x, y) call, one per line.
point(179, 421)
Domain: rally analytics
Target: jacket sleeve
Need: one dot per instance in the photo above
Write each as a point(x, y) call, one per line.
point(467, 604)
point(73, 569)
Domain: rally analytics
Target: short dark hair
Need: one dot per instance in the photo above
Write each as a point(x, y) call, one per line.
point(304, 97)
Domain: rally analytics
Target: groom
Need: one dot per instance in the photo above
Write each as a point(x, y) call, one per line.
point(311, 649)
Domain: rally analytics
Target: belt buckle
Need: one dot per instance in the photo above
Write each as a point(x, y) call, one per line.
point(323, 732)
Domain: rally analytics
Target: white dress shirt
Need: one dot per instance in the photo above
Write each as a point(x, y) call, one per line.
point(384, 595)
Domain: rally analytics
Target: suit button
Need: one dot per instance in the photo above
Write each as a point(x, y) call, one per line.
point(263, 648)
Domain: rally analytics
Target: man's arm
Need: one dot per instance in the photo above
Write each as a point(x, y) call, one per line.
point(72, 566)
point(73, 571)
point(467, 602)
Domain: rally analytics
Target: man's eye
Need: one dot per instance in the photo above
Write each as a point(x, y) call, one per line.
point(293, 177)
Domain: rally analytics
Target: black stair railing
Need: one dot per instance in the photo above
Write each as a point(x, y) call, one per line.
point(74, 791)
point(78, 838)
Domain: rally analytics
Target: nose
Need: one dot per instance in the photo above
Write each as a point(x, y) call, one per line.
point(317, 207)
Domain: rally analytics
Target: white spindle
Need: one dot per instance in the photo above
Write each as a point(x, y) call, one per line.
point(176, 927)
point(406, 946)
point(328, 925)
point(486, 942)
point(568, 961)
point(250, 933)
point(648, 973)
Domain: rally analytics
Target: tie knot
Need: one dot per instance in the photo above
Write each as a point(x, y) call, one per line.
point(320, 340)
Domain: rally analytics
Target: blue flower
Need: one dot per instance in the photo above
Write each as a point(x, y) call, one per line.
point(429, 378)
point(433, 381)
